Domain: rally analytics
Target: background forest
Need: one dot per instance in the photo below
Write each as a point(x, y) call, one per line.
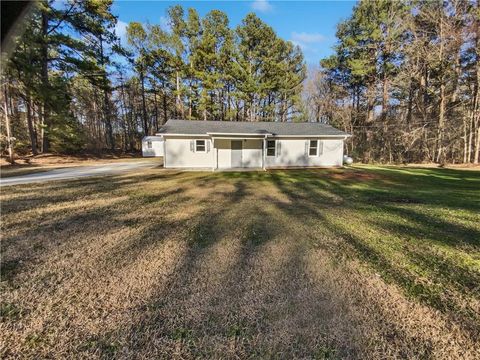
point(404, 79)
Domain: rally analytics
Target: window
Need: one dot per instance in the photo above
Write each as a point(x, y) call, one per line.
point(149, 144)
point(270, 147)
point(199, 145)
point(313, 149)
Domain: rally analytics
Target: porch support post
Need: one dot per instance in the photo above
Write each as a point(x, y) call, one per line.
point(264, 153)
point(215, 155)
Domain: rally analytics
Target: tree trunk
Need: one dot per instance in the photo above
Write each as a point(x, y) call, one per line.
point(252, 108)
point(106, 102)
point(369, 122)
point(96, 125)
point(477, 145)
point(476, 93)
point(424, 93)
point(165, 116)
point(11, 155)
point(370, 103)
point(123, 107)
point(410, 103)
point(144, 105)
point(31, 128)
point(45, 84)
point(156, 108)
point(441, 125)
point(190, 107)
point(441, 110)
point(108, 120)
point(179, 104)
point(385, 97)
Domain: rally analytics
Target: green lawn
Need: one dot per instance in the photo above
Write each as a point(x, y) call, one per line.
point(364, 262)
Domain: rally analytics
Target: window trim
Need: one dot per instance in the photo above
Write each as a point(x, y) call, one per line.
point(204, 146)
point(270, 148)
point(310, 147)
point(149, 144)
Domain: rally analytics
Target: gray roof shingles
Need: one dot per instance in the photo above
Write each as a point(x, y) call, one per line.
point(196, 127)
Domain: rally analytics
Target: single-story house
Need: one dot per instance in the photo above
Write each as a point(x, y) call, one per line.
point(152, 146)
point(263, 145)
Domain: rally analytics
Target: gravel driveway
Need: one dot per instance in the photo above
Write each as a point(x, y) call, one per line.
point(79, 172)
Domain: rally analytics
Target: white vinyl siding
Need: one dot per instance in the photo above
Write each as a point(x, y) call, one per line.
point(180, 153)
point(152, 146)
point(295, 153)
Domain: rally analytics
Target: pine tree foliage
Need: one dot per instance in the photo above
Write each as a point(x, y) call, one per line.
point(85, 89)
point(404, 81)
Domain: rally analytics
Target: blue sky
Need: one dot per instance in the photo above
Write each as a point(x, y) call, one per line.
point(310, 24)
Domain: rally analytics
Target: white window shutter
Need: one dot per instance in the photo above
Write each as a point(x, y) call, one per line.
point(279, 147)
point(208, 145)
point(320, 147)
point(307, 147)
point(192, 145)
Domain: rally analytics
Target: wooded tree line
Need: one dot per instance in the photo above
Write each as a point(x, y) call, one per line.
point(404, 80)
point(71, 83)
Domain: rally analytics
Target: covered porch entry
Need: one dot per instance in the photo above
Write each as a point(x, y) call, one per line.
point(239, 152)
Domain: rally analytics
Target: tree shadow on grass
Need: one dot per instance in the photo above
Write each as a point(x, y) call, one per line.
point(67, 227)
point(308, 199)
point(30, 196)
point(231, 303)
point(165, 319)
point(250, 303)
point(443, 177)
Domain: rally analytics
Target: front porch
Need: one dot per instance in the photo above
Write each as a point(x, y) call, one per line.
point(239, 153)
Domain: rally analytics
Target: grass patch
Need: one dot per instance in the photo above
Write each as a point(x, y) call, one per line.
point(9, 268)
point(340, 263)
point(10, 312)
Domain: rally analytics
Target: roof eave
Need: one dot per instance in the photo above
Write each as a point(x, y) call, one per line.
point(257, 135)
point(237, 134)
point(181, 134)
point(339, 136)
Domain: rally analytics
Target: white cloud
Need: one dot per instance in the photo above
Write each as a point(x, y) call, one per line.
point(121, 29)
point(310, 44)
point(296, 43)
point(165, 24)
point(307, 38)
point(262, 6)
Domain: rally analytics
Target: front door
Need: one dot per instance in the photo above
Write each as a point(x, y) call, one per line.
point(236, 146)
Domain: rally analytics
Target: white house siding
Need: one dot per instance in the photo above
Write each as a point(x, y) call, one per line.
point(157, 146)
point(293, 153)
point(178, 153)
point(251, 153)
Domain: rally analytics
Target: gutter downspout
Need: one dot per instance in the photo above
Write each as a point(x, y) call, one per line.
point(164, 152)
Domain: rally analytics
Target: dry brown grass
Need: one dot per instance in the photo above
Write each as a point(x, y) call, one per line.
point(166, 264)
